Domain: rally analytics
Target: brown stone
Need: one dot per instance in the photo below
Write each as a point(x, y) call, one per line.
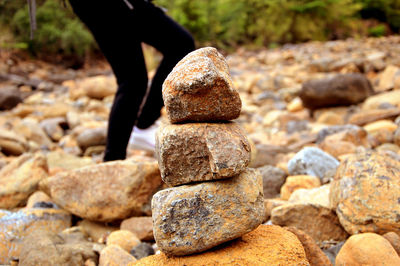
point(319, 222)
point(20, 178)
point(369, 116)
point(365, 193)
point(92, 137)
point(314, 254)
point(201, 151)
point(375, 101)
point(342, 89)
point(36, 198)
point(97, 87)
point(296, 182)
point(11, 143)
point(114, 255)
point(199, 88)
point(317, 196)
point(367, 249)
point(15, 226)
point(394, 240)
point(270, 204)
point(267, 245)
point(336, 148)
point(107, 191)
point(124, 239)
point(193, 218)
point(142, 227)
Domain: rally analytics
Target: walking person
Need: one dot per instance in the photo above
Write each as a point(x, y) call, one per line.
point(120, 27)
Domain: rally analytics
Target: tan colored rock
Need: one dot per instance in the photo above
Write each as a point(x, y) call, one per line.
point(367, 249)
point(394, 240)
point(295, 105)
point(365, 193)
point(11, 143)
point(319, 222)
point(314, 254)
point(330, 118)
point(390, 97)
point(283, 249)
point(193, 218)
point(337, 148)
point(97, 87)
point(376, 126)
point(201, 151)
point(114, 255)
point(296, 182)
point(52, 127)
point(270, 204)
point(31, 130)
point(92, 137)
point(64, 161)
point(142, 227)
point(317, 196)
point(199, 88)
point(91, 192)
point(37, 198)
point(124, 239)
point(20, 178)
point(387, 78)
point(369, 116)
point(48, 248)
point(15, 226)
point(96, 231)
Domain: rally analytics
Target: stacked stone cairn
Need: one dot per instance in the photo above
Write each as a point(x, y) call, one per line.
point(203, 156)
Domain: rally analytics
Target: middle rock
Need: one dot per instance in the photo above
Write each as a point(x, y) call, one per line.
point(201, 151)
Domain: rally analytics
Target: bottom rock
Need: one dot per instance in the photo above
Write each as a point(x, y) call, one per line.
point(194, 218)
point(267, 245)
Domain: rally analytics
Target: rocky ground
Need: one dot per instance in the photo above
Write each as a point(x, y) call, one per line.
point(323, 124)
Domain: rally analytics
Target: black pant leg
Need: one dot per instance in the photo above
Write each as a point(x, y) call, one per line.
point(116, 30)
point(174, 42)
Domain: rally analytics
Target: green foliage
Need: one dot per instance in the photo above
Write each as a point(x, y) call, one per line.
point(382, 10)
point(260, 22)
point(377, 31)
point(58, 30)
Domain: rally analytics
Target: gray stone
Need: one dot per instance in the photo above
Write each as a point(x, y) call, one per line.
point(142, 250)
point(312, 161)
point(92, 137)
point(273, 179)
point(193, 218)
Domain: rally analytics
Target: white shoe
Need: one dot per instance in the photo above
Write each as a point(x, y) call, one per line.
point(143, 139)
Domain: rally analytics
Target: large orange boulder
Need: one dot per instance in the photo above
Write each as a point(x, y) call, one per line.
point(267, 245)
point(366, 192)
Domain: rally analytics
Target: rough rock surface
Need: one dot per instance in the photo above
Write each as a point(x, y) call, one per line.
point(91, 192)
point(312, 161)
point(317, 196)
point(20, 178)
point(283, 248)
point(367, 249)
point(46, 248)
point(199, 88)
point(296, 182)
point(142, 227)
point(201, 151)
point(342, 89)
point(319, 222)
point(15, 226)
point(273, 179)
point(124, 239)
point(114, 255)
point(366, 192)
point(313, 253)
point(194, 218)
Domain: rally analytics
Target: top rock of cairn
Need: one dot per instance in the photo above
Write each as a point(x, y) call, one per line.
point(199, 89)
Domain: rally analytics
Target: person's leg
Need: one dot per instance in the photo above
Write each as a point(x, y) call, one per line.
point(114, 27)
point(174, 42)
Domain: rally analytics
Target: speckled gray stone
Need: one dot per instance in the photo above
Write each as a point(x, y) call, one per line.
point(193, 218)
